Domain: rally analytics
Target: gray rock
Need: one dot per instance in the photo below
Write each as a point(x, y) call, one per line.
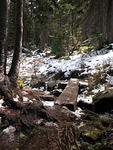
point(47, 97)
point(9, 131)
point(57, 92)
point(62, 85)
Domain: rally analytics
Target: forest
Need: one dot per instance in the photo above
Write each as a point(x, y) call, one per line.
point(56, 75)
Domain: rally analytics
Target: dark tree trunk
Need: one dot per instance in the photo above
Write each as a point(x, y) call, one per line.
point(13, 73)
point(3, 33)
point(99, 20)
point(8, 83)
point(110, 22)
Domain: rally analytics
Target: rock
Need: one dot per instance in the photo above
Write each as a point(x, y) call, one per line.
point(9, 131)
point(25, 50)
point(57, 92)
point(110, 72)
point(83, 84)
point(38, 84)
point(59, 76)
point(76, 73)
point(110, 46)
point(84, 105)
point(84, 75)
point(47, 97)
point(69, 96)
point(62, 85)
point(48, 103)
point(103, 103)
point(51, 85)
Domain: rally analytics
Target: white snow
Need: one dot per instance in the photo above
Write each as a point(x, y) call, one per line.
point(78, 112)
point(111, 45)
point(86, 99)
point(51, 124)
point(39, 64)
point(25, 99)
point(1, 103)
point(48, 104)
point(16, 99)
point(85, 83)
point(39, 121)
point(48, 64)
point(109, 79)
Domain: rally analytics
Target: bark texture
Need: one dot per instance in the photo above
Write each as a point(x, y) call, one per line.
point(14, 71)
point(3, 33)
point(8, 83)
point(99, 20)
point(110, 21)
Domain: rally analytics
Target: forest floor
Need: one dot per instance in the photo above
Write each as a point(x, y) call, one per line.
point(42, 71)
point(41, 124)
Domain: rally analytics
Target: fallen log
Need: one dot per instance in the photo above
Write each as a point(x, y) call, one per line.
point(69, 96)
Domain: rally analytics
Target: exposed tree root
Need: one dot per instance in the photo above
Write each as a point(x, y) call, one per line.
point(6, 91)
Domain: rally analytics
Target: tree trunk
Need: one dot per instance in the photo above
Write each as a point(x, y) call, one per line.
point(14, 71)
point(99, 19)
point(3, 33)
point(6, 43)
point(110, 22)
point(8, 83)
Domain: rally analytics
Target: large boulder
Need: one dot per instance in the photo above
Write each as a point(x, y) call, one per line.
point(103, 103)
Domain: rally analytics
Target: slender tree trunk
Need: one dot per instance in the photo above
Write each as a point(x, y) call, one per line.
point(3, 33)
point(14, 71)
point(6, 43)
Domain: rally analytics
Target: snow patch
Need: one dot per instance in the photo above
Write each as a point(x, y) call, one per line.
point(1, 103)
point(51, 124)
point(48, 104)
point(41, 64)
point(78, 113)
point(16, 99)
point(39, 121)
point(85, 99)
point(25, 99)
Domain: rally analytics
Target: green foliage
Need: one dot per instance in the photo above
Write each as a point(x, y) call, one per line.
point(85, 48)
point(11, 32)
point(57, 24)
point(57, 47)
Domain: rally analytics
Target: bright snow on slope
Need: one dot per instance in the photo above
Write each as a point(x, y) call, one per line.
point(38, 64)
